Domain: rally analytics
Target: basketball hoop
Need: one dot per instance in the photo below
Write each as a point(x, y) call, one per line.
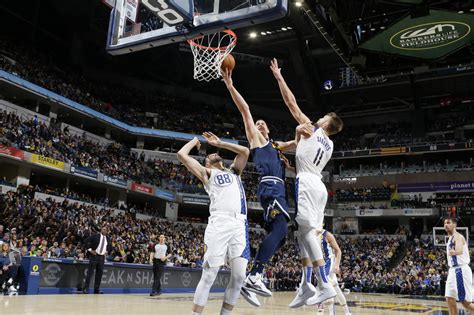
point(209, 52)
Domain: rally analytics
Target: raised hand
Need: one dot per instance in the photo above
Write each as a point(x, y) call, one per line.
point(197, 143)
point(212, 139)
point(227, 76)
point(305, 129)
point(274, 67)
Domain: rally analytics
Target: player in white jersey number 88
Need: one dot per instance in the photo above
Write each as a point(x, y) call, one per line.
point(313, 151)
point(226, 235)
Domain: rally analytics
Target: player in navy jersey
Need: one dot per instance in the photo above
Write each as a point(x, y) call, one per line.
point(271, 189)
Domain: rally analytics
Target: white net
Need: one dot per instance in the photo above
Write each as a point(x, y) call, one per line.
point(209, 52)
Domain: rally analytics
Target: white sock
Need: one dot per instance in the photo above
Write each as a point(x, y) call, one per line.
point(225, 312)
point(194, 313)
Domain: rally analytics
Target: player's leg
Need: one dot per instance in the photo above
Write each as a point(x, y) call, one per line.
point(452, 307)
point(306, 289)
point(341, 299)
point(464, 278)
point(313, 246)
point(268, 247)
point(201, 295)
point(238, 267)
point(451, 292)
point(216, 239)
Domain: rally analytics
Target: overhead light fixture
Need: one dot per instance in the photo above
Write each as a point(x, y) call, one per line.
point(284, 29)
point(298, 3)
point(253, 35)
point(263, 33)
point(382, 27)
point(460, 11)
point(269, 33)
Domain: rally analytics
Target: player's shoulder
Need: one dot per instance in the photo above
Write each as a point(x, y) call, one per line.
point(459, 236)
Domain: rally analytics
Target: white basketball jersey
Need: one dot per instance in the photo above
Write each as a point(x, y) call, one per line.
point(458, 260)
point(226, 193)
point(313, 153)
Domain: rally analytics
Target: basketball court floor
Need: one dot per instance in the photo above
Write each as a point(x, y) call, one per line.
point(177, 304)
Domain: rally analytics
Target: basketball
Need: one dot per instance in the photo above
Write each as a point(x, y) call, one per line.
point(228, 63)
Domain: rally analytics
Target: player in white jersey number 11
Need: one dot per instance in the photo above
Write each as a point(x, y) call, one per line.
point(313, 151)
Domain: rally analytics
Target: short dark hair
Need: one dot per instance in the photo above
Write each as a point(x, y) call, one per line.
point(452, 219)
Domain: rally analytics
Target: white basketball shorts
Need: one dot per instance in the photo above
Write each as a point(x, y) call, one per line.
point(312, 196)
point(459, 283)
point(226, 237)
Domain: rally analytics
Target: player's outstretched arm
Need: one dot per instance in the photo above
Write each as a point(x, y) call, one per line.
point(286, 145)
point(287, 95)
point(254, 137)
point(191, 163)
point(337, 250)
point(242, 152)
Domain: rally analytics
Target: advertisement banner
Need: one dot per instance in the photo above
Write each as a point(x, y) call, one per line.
point(164, 194)
point(437, 186)
point(142, 188)
point(13, 152)
point(131, 9)
point(196, 199)
point(428, 37)
point(84, 171)
point(418, 212)
point(369, 212)
point(59, 273)
point(46, 161)
point(115, 180)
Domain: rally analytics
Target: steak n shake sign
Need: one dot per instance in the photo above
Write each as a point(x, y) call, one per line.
point(429, 37)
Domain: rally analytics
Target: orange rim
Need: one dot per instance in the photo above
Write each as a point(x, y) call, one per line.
point(231, 33)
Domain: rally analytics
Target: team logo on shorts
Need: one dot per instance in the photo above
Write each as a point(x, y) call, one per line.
point(274, 213)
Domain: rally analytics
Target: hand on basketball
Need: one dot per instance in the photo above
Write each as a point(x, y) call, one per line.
point(211, 138)
point(227, 76)
point(274, 67)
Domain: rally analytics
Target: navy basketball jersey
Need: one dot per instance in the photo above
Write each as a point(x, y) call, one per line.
point(267, 161)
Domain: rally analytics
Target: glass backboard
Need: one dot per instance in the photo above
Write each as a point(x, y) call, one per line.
point(140, 24)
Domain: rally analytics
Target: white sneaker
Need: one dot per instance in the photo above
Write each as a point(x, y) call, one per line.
point(12, 291)
point(304, 292)
point(325, 293)
point(250, 297)
point(256, 285)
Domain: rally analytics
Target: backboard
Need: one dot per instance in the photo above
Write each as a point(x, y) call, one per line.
point(140, 24)
point(440, 237)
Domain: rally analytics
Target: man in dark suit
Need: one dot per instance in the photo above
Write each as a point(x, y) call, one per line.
point(97, 246)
